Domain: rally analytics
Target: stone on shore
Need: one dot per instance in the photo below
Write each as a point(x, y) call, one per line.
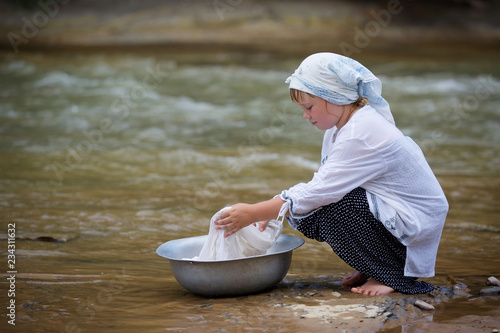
point(492, 281)
point(424, 305)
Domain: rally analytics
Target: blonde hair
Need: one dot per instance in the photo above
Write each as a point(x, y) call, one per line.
point(297, 96)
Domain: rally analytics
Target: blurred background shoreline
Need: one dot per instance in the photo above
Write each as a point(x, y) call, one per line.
point(428, 28)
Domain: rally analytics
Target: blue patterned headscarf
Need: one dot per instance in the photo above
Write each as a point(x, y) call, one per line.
point(339, 80)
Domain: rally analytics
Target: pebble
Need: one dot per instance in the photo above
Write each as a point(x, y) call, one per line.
point(452, 279)
point(424, 306)
point(490, 290)
point(493, 281)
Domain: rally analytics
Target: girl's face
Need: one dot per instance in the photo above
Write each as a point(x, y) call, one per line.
point(322, 114)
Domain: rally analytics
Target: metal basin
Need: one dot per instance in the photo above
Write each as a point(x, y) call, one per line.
point(228, 277)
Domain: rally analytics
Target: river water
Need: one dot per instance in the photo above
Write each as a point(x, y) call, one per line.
point(105, 156)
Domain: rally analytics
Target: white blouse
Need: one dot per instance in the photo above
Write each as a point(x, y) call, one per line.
point(402, 191)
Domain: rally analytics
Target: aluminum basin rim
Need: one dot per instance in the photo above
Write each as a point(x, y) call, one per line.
point(297, 240)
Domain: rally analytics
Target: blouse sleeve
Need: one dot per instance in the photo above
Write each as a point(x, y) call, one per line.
point(351, 163)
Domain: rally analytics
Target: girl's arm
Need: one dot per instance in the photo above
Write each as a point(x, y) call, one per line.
point(241, 215)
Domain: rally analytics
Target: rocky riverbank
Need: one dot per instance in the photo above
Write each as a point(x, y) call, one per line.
point(316, 306)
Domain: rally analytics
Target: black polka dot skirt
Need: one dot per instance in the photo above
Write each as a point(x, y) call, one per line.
point(359, 239)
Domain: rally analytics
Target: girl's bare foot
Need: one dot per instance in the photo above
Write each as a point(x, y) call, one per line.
point(372, 288)
point(353, 279)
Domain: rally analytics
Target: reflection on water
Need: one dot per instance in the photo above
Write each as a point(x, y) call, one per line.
point(111, 156)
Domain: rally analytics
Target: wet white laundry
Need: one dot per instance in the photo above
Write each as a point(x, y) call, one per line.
point(247, 242)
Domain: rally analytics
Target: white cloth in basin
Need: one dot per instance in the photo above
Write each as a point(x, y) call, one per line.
point(247, 242)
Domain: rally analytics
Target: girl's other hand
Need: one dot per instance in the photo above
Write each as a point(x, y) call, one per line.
point(263, 225)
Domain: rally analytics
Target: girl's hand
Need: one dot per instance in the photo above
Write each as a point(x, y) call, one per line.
point(241, 215)
point(236, 218)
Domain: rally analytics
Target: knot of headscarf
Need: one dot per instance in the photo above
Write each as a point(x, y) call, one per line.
point(339, 80)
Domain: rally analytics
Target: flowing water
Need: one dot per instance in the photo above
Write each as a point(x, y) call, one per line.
point(105, 156)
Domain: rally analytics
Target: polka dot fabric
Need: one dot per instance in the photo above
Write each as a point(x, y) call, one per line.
point(362, 241)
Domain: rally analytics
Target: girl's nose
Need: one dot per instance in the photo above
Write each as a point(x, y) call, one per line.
point(306, 115)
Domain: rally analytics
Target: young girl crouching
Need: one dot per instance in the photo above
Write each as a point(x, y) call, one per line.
point(374, 199)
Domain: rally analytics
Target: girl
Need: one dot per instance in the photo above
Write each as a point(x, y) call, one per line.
point(374, 199)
